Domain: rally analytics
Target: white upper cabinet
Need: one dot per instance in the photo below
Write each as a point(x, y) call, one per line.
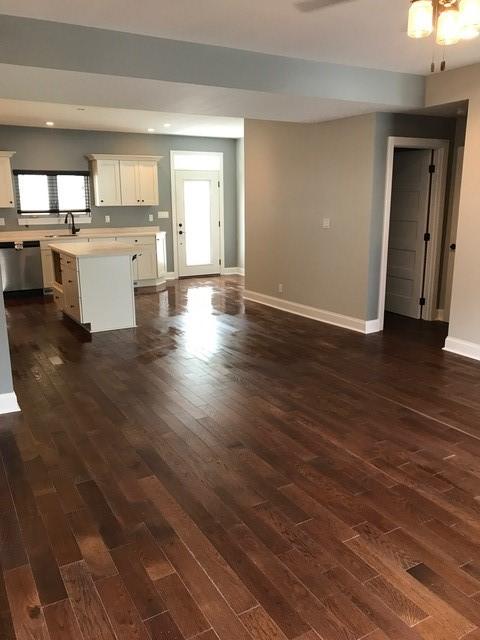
point(128, 181)
point(6, 185)
point(148, 182)
point(106, 181)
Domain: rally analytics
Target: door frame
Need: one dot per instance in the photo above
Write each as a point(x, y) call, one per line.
point(220, 155)
point(440, 150)
point(451, 235)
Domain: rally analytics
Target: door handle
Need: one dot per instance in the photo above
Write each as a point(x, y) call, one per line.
point(453, 247)
point(180, 233)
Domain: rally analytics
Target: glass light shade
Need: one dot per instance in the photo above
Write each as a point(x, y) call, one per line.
point(470, 19)
point(448, 27)
point(420, 19)
point(470, 13)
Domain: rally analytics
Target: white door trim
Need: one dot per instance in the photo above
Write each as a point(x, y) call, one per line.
point(451, 237)
point(174, 206)
point(439, 182)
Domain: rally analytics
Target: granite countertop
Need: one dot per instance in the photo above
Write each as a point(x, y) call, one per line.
point(94, 250)
point(54, 234)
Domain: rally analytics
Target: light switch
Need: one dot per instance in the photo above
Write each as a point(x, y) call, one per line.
point(2, 222)
point(326, 223)
point(150, 217)
point(107, 219)
point(163, 214)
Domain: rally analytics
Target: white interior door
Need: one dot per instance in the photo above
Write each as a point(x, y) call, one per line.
point(408, 225)
point(452, 244)
point(198, 222)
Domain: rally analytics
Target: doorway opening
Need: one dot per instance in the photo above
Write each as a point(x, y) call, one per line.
point(413, 224)
point(197, 213)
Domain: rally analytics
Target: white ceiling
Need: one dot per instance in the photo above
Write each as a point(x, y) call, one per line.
point(66, 116)
point(369, 33)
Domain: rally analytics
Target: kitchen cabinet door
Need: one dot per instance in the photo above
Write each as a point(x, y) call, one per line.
point(148, 182)
point(107, 183)
point(130, 187)
point(147, 263)
point(6, 186)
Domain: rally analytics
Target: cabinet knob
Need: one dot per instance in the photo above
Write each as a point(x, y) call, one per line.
point(70, 282)
point(143, 200)
point(101, 200)
point(11, 201)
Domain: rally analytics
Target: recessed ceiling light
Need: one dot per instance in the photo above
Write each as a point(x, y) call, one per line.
point(49, 123)
point(167, 125)
point(150, 130)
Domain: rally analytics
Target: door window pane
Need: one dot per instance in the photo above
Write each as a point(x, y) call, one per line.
point(197, 205)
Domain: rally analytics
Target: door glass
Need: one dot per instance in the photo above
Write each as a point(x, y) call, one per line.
point(197, 205)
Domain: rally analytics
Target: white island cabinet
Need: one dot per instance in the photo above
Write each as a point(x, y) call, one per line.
point(149, 270)
point(93, 283)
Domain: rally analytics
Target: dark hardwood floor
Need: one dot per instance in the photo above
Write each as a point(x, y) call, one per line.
point(237, 473)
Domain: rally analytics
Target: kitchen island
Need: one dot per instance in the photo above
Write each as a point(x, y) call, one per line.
point(94, 283)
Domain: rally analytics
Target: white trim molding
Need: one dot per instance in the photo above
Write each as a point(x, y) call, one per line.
point(328, 317)
point(233, 271)
point(171, 275)
point(8, 403)
point(462, 348)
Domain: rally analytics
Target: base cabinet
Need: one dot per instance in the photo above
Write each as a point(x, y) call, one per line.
point(149, 267)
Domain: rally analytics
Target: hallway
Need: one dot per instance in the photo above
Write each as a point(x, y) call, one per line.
point(233, 472)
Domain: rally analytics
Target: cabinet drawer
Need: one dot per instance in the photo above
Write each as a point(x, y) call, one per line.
point(68, 262)
point(58, 298)
point(138, 240)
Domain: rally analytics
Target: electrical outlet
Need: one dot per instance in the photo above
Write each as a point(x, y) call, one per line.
point(2, 222)
point(107, 219)
point(326, 223)
point(280, 288)
point(163, 214)
point(150, 217)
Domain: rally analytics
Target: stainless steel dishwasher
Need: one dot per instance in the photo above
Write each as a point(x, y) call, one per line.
point(21, 265)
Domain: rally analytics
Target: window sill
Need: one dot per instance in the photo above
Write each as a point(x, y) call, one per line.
point(48, 220)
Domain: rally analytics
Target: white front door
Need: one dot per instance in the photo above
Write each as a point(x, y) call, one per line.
point(408, 226)
point(198, 222)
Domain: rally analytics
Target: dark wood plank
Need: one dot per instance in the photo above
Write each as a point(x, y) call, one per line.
point(87, 606)
point(286, 479)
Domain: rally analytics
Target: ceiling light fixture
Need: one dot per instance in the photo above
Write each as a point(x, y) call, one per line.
point(451, 20)
point(49, 123)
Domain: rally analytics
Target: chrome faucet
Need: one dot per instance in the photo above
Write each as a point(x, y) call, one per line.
point(74, 228)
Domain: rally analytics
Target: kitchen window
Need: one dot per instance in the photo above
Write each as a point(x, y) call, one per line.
point(50, 193)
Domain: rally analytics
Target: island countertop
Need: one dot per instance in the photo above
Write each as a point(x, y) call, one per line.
point(97, 250)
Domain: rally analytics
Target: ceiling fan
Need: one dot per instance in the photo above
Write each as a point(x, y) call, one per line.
point(314, 5)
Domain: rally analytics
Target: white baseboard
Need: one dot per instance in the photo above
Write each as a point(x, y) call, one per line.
point(233, 271)
point(440, 315)
point(8, 403)
point(462, 348)
point(337, 319)
point(171, 275)
point(373, 326)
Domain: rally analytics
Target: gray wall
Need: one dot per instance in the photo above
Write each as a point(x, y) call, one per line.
point(6, 384)
point(295, 175)
point(66, 150)
point(464, 329)
point(408, 126)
